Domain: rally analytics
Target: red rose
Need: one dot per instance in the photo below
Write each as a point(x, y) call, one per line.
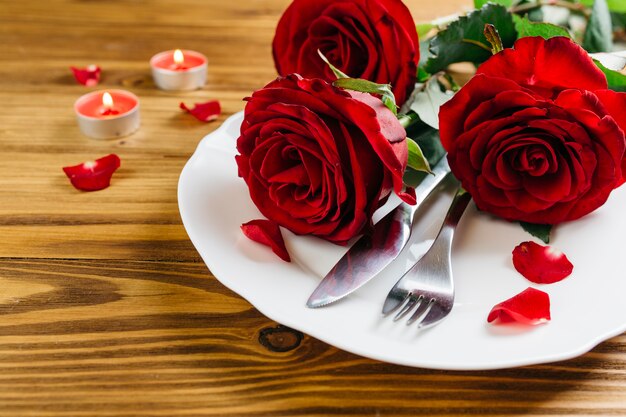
point(319, 160)
point(535, 135)
point(371, 39)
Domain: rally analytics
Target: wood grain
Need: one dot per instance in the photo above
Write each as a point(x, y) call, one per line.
point(88, 337)
point(106, 308)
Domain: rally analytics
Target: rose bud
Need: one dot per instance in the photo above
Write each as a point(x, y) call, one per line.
point(536, 135)
point(371, 39)
point(320, 160)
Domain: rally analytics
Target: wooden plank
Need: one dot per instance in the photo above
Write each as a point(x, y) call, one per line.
point(166, 339)
point(105, 306)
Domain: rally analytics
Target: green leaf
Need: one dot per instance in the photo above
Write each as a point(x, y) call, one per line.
point(425, 54)
point(541, 231)
point(616, 80)
point(619, 21)
point(417, 160)
point(526, 28)
point(464, 40)
point(338, 73)
point(617, 6)
point(422, 75)
point(480, 3)
point(429, 142)
point(428, 101)
point(365, 86)
point(423, 29)
point(599, 33)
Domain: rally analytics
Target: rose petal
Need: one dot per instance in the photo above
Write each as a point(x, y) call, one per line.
point(93, 175)
point(205, 112)
point(319, 160)
point(541, 264)
point(353, 34)
point(539, 65)
point(615, 103)
point(267, 233)
point(89, 76)
point(478, 93)
point(531, 306)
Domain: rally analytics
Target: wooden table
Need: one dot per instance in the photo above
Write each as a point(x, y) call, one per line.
point(106, 308)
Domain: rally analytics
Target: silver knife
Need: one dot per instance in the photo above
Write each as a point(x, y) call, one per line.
point(371, 254)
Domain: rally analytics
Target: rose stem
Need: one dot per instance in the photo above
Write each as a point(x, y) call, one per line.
point(408, 119)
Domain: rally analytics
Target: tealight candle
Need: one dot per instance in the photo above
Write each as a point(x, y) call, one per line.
point(107, 114)
point(179, 70)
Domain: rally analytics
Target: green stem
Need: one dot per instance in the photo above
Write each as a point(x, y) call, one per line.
point(408, 119)
point(574, 7)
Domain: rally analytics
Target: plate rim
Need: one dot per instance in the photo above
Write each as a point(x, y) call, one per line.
point(270, 313)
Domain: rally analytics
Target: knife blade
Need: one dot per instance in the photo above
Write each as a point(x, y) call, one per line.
point(371, 254)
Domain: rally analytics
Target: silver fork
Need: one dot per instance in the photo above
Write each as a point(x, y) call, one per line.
point(427, 288)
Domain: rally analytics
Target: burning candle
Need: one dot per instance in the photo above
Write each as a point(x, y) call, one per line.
point(107, 105)
point(179, 70)
point(179, 60)
point(107, 114)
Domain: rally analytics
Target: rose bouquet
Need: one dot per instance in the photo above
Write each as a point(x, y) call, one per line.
point(537, 134)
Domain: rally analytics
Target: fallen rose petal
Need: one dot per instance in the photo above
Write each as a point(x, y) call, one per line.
point(267, 233)
point(531, 306)
point(93, 175)
point(541, 264)
point(205, 112)
point(89, 76)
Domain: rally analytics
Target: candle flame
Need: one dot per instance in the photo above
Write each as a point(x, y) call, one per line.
point(179, 58)
point(107, 101)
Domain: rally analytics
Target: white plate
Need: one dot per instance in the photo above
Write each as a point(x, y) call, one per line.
point(587, 308)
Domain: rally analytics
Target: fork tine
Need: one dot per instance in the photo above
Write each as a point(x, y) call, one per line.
point(394, 300)
point(429, 281)
point(436, 313)
point(421, 310)
point(413, 301)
